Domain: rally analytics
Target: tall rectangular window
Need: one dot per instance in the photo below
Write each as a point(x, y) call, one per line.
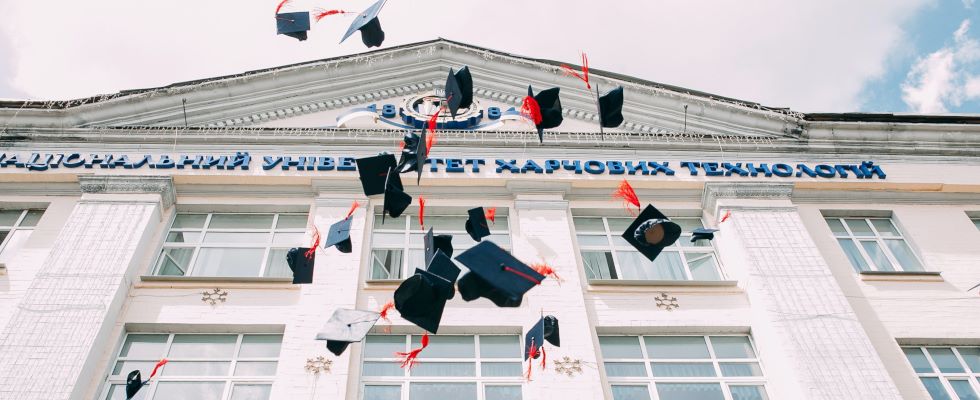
point(231, 245)
point(874, 244)
point(606, 255)
point(457, 367)
point(200, 366)
point(392, 240)
point(683, 368)
point(15, 227)
point(947, 373)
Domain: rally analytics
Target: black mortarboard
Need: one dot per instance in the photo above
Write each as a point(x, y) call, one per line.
point(339, 235)
point(465, 81)
point(413, 154)
point(369, 25)
point(550, 106)
point(294, 24)
point(433, 243)
point(134, 382)
point(302, 267)
point(611, 108)
point(459, 93)
point(396, 200)
point(496, 275)
point(346, 326)
point(703, 234)
point(545, 329)
point(442, 272)
point(373, 172)
point(476, 224)
point(420, 301)
point(653, 225)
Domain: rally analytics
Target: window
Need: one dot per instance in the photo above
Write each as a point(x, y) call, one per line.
point(874, 244)
point(482, 367)
point(240, 245)
point(200, 366)
point(606, 255)
point(948, 373)
point(15, 227)
point(682, 368)
point(394, 238)
point(976, 222)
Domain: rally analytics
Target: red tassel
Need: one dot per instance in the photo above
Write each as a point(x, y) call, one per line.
point(352, 208)
point(532, 352)
point(430, 140)
point(422, 212)
point(584, 76)
point(316, 243)
point(628, 195)
point(321, 13)
point(491, 214)
point(156, 367)
point(384, 314)
point(531, 110)
point(728, 214)
point(434, 119)
point(544, 358)
point(281, 4)
point(409, 357)
point(546, 270)
point(522, 275)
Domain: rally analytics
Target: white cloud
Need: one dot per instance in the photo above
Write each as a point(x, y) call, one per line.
point(943, 77)
point(811, 55)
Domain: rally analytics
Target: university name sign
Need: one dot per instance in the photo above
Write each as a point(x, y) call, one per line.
point(243, 160)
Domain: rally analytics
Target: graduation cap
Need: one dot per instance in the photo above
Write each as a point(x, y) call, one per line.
point(396, 200)
point(134, 381)
point(459, 90)
point(476, 224)
point(421, 299)
point(496, 275)
point(339, 235)
point(549, 106)
point(703, 234)
point(369, 25)
point(301, 266)
point(442, 271)
point(346, 326)
point(413, 154)
point(373, 172)
point(651, 231)
point(545, 329)
point(294, 24)
point(611, 108)
point(434, 243)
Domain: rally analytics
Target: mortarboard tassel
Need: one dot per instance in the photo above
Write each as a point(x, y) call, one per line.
point(490, 214)
point(430, 140)
point(154, 372)
point(316, 243)
point(532, 353)
point(281, 4)
point(521, 274)
point(546, 270)
point(628, 195)
point(321, 13)
point(584, 76)
point(409, 357)
point(384, 314)
point(544, 359)
point(422, 212)
point(352, 208)
point(531, 110)
point(728, 214)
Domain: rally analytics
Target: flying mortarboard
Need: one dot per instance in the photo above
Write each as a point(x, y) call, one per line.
point(134, 381)
point(545, 329)
point(550, 106)
point(346, 326)
point(703, 234)
point(339, 235)
point(421, 302)
point(301, 266)
point(476, 224)
point(465, 81)
point(373, 172)
point(396, 200)
point(294, 24)
point(611, 108)
point(434, 243)
point(459, 90)
point(496, 275)
point(442, 272)
point(370, 26)
point(413, 154)
point(651, 231)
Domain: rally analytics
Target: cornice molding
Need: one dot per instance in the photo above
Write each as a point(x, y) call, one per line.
point(713, 191)
point(129, 184)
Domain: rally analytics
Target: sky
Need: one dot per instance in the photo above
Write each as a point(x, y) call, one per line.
point(904, 56)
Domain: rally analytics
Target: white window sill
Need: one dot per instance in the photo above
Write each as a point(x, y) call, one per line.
point(382, 283)
point(157, 281)
point(904, 276)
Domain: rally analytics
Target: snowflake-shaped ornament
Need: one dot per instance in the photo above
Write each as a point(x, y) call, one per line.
point(568, 366)
point(666, 302)
point(317, 365)
point(214, 296)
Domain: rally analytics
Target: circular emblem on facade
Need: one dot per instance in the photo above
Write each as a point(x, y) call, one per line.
point(417, 110)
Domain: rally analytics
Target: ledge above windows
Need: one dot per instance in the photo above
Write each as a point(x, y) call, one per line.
point(229, 282)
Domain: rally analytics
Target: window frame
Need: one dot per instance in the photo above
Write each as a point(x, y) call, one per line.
point(406, 379)
point(879, 239)
point(613, 248)
point(196, 247)
point(968, 374)
point(18, 226)
point(650, 381)
point(228, 381)
point(976, 221)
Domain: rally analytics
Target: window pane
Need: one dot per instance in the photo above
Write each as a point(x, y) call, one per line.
point(885, 227)
point(502, 392)
point(175, 261)
point(383, 346)
point(118, 392)
point(203, 346)
point(598, 265)
point(917, 359)
point(276, 265)
point(620, 347)
point(443, 369)
point(416, 259)
point(189, 390)
point(32, 217)
point(732, 347)
point(289, 239)
point(618, 225)
point(502, 240)
point(583, 224)
point(9, 217)
point(189, 221)
point(125, 367)
point(197, 368)
point(292, 221)
point(143, 346)
point(228, 262)
point(963, 390)
point(255, 368)
point(382, 368)
point(241, 221)
point(687, 224)
point(667, 266)
point(854, 255)
point(683, 369)
point(237, 237)
point(630, 392)
point(945, 359)
point(676, 347)
point(442, 391)
point(500, 369)
point(386, 264)
point(389, 223)
point(445, 223)
point(258, 346)
point(250, 392)
point(382, 392)
point(593, 240)
point(3, 235)
point(935, 388)
point(859, 227)
point(748, 393)
point(500, 347)
point(901, 251)
point(690, 391)
point(836, 227)
point(184, 237)
point(446, 346)
point(703, 267)
point(972, 357)
point(625, 369)
point(740, 369)
point(877, 256)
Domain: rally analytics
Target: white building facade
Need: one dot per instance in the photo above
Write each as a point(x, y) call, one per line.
point(154, 224)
